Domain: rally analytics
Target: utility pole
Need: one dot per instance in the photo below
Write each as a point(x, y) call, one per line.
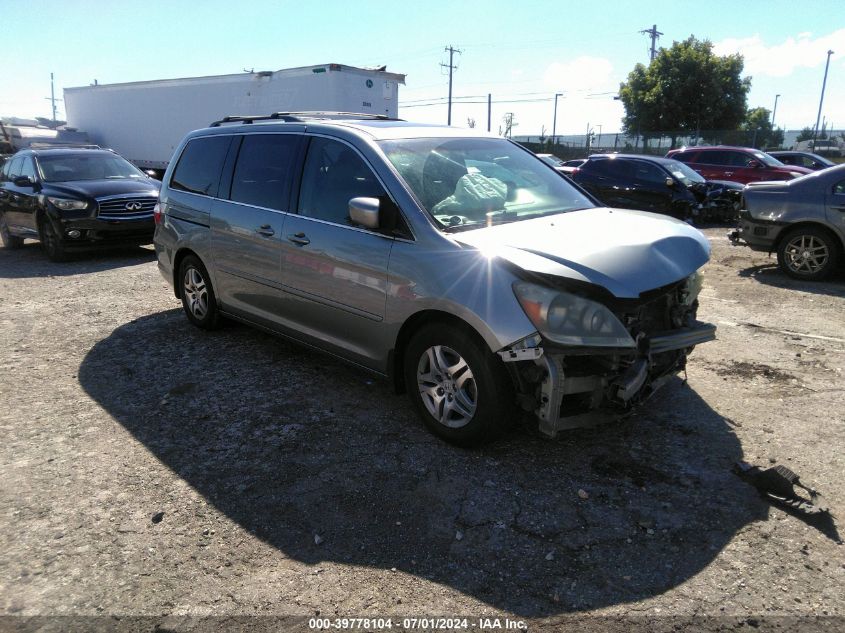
point(451, 68)
point(52, 99)
point(554, 120)
point(654, 34)
point(489, 109)
point(774, 111)
point(821, 101)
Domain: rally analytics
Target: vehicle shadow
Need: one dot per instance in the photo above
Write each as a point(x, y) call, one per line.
point(771, 275)
point(30, 261)
point(325, 464)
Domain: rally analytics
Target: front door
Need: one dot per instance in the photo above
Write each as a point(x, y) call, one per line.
point(334, 273)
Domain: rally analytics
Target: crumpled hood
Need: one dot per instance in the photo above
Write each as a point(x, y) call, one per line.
point(626, 252)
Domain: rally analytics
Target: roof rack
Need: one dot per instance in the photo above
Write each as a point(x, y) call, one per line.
point(298, 117)
point(38, 145)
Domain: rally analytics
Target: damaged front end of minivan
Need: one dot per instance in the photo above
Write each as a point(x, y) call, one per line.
point(596, 356)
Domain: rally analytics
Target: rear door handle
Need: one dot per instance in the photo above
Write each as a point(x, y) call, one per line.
point(266, 230)
point(299, 239)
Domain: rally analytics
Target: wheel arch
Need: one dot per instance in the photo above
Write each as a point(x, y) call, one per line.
point(412, 325)
point(178, 258)
point(838, 239)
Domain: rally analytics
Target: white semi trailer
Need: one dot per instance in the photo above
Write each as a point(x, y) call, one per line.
point(145, 120)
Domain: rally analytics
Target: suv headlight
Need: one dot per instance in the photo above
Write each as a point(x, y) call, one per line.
point(66, 204)
point(569, 319)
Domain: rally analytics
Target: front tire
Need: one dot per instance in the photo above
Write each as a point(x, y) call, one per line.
point(808, 253)
point(51, 241)
point(198, 299)
point(6, 238)
point(460, 389)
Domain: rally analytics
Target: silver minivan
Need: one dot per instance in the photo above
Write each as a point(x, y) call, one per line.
point(457, 264)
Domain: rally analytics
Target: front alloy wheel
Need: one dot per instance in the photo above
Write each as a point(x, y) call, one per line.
point(808, 253)
point(447, 386)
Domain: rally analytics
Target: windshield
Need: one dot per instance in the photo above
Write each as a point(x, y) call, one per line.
point(87, 166)
point(686, 174)
point(768, 161)
point(472, 182)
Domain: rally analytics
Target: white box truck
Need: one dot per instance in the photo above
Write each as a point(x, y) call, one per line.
point(145, 120)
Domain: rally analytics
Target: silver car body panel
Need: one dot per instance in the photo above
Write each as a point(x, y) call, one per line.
point(349, 291)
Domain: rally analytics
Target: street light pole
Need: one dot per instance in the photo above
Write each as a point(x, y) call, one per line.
point(821, 100)
point(554, 120)
point(774, 111)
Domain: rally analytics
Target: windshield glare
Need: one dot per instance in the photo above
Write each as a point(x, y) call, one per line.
point(472, 182)
point(89, 166)
point(686, 174)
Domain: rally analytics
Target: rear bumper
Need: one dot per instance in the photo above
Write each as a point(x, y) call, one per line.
point(604, 397)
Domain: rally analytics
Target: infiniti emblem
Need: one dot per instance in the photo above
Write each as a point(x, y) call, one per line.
point(133, 206)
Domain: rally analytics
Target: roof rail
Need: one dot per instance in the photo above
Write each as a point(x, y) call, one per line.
point(298, 117)
point(38, 145)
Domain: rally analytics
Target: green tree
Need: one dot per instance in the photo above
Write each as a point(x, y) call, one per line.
point(758, 129)
point(686, 89)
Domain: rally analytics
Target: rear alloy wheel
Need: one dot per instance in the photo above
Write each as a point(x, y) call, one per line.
point(460, 389)
point(6, 238)
point(808, 253)
point(51, 241)
point(198, 298)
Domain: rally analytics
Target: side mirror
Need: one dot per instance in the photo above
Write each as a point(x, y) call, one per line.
point(23, 181)
point(365, 212)
point(670, 182)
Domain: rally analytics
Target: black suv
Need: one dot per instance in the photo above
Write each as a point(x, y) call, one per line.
point(75, 198)
point(660, 185)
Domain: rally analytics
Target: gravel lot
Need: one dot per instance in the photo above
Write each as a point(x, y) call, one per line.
point(150, 468)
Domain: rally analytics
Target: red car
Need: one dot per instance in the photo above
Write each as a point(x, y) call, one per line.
point(739, 164)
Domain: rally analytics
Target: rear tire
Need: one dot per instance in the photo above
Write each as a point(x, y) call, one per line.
point(459, 387)
point(808, 253)
point(51, 241)
point(6, 238)
point(198, 299)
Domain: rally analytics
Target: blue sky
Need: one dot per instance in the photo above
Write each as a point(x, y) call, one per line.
point(520, 52)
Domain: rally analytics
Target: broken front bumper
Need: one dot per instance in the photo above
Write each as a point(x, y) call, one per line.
point(604, 396)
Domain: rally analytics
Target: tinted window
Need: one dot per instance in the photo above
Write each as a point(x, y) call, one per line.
point(333, 174)
point(649, 172)
point(609, 168)
point(198, 170)
point(685, 157)
point(717, 157)
point(262, 173)
point(28, 168)
point(15, 168)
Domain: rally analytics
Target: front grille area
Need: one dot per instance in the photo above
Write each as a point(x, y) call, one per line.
point(116, 208)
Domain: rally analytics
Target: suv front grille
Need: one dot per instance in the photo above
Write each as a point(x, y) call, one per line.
point(128, 208)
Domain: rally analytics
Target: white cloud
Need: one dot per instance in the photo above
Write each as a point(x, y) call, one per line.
point(781, 60)
point(581, 74)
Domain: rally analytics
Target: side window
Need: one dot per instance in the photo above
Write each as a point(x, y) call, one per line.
point(28, 168)
point(714, 158)
point(334, 173)
point(609, 168)
point(15, 167)
point(262, 173)
point(741, 159)
point(4, 173)
point(199, 167)
point(685, 157)
point(647, 172)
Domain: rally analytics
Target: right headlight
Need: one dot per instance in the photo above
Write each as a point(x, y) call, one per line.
point(66, 204)
point(569, 319)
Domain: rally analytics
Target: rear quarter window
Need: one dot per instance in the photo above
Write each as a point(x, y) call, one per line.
point(199, 167)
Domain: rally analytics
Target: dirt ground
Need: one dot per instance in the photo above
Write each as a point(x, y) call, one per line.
point(153, 469)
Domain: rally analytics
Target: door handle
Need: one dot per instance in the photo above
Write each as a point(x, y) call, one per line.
point(299, 239)
point(729, 173)
point(266, 230)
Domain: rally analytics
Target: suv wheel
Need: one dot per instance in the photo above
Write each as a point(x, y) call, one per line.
point(808, 253)
point(6, 238)
point(198, 298)
point(460, 389)
point(51, 241)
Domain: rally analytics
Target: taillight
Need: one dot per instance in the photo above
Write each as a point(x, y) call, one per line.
point(157, 213)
